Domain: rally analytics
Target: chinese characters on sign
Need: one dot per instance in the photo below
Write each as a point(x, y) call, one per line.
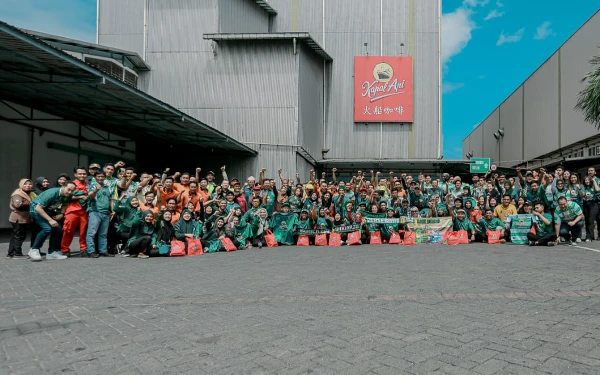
point(383, 89)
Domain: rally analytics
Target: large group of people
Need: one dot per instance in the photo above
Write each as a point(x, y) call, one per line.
point(115, 212)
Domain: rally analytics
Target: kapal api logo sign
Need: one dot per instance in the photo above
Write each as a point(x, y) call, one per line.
point(383, 89)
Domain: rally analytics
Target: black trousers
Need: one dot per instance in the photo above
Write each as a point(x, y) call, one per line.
point(19, 233)
point(122, 238)
point(590, 214)
point(261, 238)
point(140, 245)
point(542, 241)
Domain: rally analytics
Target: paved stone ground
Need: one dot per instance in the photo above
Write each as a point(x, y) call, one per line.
point(477, 309)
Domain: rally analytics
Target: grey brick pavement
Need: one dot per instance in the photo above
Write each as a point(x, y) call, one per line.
point(477, 309)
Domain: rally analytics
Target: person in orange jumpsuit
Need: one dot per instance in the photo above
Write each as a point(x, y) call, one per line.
point(76, 215)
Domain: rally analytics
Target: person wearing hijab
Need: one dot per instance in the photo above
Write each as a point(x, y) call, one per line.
point(163, 230)
point(214, 235)
point(128, 213)
point(20, 202)
point(187, 227)
point(61, 179)
point(41, 184)
point(142, 231)
point(259, 225)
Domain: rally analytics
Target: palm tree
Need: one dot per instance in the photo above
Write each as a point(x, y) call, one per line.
point(588, 100)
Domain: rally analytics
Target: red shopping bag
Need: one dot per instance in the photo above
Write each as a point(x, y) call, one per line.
point(335, 239)
point(375, 238)
point(194, 247)
point(493, 237)
point(410, 238)
point(452, 239)
point(303, 240)
point(353, 238)
point(228, 244)
point(177, 249)
point(270, 239)
point(321, 240)
point(395, 239)
point(463, 237)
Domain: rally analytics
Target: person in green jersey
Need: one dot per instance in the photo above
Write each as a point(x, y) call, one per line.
point(544, 235)
point(461, 222)
point(489, 223)
point(568, 221)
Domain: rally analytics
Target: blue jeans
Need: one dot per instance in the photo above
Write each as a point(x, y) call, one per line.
point(568, 232)
point(97, 224)
point(46, 230)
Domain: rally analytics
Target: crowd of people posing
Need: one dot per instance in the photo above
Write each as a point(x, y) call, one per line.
point(115, 212)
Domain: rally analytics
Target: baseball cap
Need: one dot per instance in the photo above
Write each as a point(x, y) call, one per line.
point(94, 165)
point(256, 188)
point(210, 172)
point(309, 187)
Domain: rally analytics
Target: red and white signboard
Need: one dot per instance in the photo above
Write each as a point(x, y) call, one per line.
point(383, 89)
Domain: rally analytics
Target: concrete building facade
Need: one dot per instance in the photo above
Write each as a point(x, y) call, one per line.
point(539, 122)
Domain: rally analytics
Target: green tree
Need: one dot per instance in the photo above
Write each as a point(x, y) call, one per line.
point(588, 100)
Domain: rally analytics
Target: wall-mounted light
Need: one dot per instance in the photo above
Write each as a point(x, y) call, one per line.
point(499, 134)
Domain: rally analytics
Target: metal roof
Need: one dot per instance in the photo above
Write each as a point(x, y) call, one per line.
point(36, 74)
point(304, 37)
point(266, 6)
point(73, 45)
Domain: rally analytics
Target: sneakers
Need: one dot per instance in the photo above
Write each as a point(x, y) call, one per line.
point(551, 243)
point(578, 240)
point(104, 255)
point(588, 240)
point(569, 243)
point(55, 256)
point(502, 240)
point(18, 256)
point(260, 244)
point(34, 255)
point(143, 256)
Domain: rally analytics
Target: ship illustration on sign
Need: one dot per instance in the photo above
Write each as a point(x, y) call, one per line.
point(383, 72)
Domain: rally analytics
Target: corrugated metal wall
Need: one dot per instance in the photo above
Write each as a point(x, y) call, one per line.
point(244, 16)
point(540, 117)
point(251, 91)
point(310, 95)
point(541, 114)
point(121, 24)
point(350, 24)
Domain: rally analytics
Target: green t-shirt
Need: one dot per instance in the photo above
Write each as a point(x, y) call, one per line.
point(50, 200)
point(463, 225)
point(485, 225)
point(541, 228)
point(101, 202)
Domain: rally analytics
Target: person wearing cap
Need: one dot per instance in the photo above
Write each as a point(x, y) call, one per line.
point(92, 169)
point(489, 223)
point(239, 196)
point(526, 209)
point(461, 222)
point(444, 183)
point(210, 181)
